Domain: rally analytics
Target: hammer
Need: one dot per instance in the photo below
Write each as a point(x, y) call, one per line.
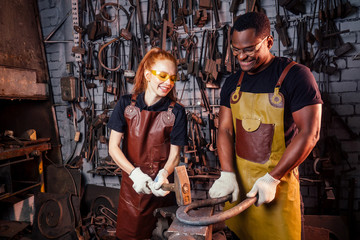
point(181, 186)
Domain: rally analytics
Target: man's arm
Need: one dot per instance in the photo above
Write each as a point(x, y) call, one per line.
point(225, 140)
point(308, 121)
point(227, 183)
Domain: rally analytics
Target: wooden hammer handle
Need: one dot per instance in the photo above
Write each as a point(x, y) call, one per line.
point(168, 187)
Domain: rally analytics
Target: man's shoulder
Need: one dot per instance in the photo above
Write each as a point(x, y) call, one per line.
point(283, 62)
point(232, 79)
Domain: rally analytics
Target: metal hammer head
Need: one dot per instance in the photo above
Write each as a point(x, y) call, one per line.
point(182, 186)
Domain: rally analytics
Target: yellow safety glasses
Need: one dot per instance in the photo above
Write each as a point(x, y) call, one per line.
point(164, 76)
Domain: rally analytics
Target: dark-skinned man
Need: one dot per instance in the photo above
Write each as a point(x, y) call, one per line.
point(270, 117)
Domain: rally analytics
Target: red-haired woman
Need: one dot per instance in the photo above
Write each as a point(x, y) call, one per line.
point(152, 128)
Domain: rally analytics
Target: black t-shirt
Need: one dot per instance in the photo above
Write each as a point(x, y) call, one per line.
point(178, 135)
point(299, 88)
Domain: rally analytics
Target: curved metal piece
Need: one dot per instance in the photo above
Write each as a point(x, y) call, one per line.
point(117, 7)
point(100, 52)
point(54, 218)
point(183, 216)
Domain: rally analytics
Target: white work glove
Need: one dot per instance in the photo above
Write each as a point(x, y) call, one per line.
point(141, 181)
point(225, 185)
point(265, 187)
point(160, 179)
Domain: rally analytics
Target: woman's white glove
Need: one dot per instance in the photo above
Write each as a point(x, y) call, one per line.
point(141, 181)
point(160, 179)
point(265, 187)
point(225, 185)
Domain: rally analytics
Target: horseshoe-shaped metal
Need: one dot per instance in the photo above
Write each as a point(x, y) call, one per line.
point(183, 216)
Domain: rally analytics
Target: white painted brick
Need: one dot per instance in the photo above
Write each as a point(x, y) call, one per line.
point(112, 182)
point(357, 196)
point(341, 133)
point(270, 12)
point(47, 26)
point(98, 99)
point(356, 129)
point(55, 20)
point(57, 99)
point(344, 192)
point(56, 88)
point(334, 77)
point(353, 26)
point(53, 3)
point(54, 56)
point(43, 4)
point(309, 202)
point(350, 74)
point(353, 97)
point(353, 63)
point(49, 13)
point(344, 109)
point(103, 152)
point(341, 63)
point(343, 204)
point(342, 86)
point(350, 37)
point(304, 190)
point(53, 65)
point(51, 48)
point(102, 149)
point(354, 159)
point(58, 73)
point(333, 98)
point(337, 121)
point(351, 146)
point(357, 109)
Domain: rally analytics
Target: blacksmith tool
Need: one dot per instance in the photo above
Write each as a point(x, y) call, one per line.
point(183, 216)
point(181, 186)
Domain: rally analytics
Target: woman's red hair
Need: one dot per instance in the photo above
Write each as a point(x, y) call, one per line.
point(148, 61)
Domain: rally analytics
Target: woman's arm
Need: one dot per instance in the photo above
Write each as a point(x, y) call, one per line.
point(117, 154)
point(173, 159)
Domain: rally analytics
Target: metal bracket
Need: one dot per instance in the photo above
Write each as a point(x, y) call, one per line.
point(47, 39)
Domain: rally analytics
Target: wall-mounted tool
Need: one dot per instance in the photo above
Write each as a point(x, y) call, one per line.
point(68, 88)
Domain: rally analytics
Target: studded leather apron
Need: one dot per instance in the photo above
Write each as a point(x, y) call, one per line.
point(146, 145)
point(258, 120)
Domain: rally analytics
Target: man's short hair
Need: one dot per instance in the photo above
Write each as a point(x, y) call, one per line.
point(257, 20)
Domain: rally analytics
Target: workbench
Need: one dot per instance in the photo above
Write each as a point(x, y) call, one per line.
point(21, 167)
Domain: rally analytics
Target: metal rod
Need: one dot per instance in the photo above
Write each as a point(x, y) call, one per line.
point(182, 216)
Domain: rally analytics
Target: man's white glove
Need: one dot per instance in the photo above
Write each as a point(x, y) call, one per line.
point(160, 179)
point(265, 187)
point(225, 185)
point(141, 181)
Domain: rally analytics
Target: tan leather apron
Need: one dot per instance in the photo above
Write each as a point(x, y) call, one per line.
point(258, 120)
point(146, 145)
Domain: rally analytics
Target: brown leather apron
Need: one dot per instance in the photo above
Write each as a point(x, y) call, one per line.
point(146, 145)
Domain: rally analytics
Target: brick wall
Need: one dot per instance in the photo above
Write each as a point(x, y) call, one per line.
point(342, 89)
